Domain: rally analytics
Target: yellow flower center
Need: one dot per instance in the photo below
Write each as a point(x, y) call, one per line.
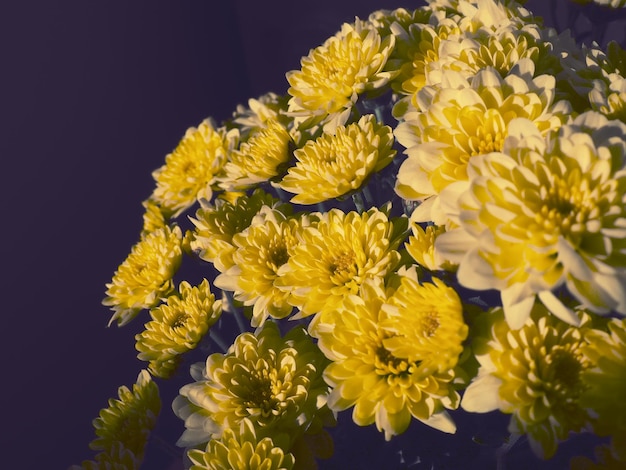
point(566, 207)
point(430, 323)
point(486, 141)
point(387, 364)
point(563, 376)
point(343, 268)
point(261, 396)
point(277, 254)
point(179, 321)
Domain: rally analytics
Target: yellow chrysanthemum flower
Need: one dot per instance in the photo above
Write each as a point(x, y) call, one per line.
point(261, 250)
point(426, 326)
point(146, 275)
point(337, 254)
point(421, 247)
point(242, 450)
point(609, 96)
point(336, 164)
point(369, 371)
point(606, 382)
point(335, 73)
point(274, 381)
point(534, 373)
point(261, 158)
point(259, 112)
point(458, 124)
point(545, 212)
point(190, 169)
point(177, 326)
point(153, 218)
point(126, 424)
point(215, 226)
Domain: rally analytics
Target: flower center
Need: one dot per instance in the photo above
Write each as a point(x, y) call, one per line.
point(430, 323)
point(486, 141)
point(563, 375)
point(277, 254)
point(387, 364)
point(179, 321)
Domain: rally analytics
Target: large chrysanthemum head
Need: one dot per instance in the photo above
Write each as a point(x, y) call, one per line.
point(337, 254)
point(177, 326)
point(466, 119)
point(606, 381)
point(242, 449)
point(122, 429)
point(336, 164)
point(335, 73)
point(261, 158)
point(545, 212)
point(145, 277)
point(274, 381)
point(534, 373)
point(369, 371)
point(216, 224)
point(190, 169)
point(261, 250)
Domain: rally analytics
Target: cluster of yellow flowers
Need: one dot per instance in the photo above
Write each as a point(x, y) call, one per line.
point(357, 228)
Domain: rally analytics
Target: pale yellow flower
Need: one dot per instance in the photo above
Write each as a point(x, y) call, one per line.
point(606, 381)
point(545, 213)
point(216, 224)
point(177, 326)
point(260, 111)
point(263, 157)
point(153, 217)
point(465, 120)
point(335, 73)
point(337, 164)
point(534, 373)
point(260, 251)
point(145, 277)
point(275, 382)
point(337, 254)
point(241, 449)
point(126, 423)
point(421, 247)
point(369, 369)
point(190, 169)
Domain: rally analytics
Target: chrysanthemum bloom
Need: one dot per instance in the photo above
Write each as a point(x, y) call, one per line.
point(153, 217)
point(217, 223)
point(421, 247)
point(606, 382)
point(275, 382)
point(534, 373)
point(463, 120)
point(265, 108)
point(260, 252)
point(259, 159)
point(177, 326)
point(336, 164)
point(145, 277)
point(190, 169)
point(542, 214)
point(334, 74)
point(127, 422)
point(337, 254)
point(241, 449)
point(375, 367)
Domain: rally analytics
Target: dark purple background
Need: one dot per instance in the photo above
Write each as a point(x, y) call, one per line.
point(93, 96)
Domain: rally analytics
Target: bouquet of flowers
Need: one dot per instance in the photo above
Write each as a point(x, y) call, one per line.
point(430, 223)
